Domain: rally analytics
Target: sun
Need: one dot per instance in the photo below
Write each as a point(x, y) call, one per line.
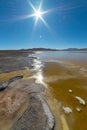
point(38, 14)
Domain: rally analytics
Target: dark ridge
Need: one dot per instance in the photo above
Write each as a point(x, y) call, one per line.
point(5, 84)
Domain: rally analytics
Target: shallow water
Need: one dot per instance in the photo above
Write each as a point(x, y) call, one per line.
point(65, 73)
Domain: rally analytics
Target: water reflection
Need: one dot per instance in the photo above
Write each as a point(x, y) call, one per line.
point(66, 74)
point(63, 55)
point(38, 66)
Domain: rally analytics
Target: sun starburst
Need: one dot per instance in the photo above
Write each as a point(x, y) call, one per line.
point(38, 14)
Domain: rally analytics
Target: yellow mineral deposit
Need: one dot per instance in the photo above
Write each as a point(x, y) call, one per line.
point(5, 76)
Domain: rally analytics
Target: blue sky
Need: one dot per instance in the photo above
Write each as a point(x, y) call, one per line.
point(66, 24)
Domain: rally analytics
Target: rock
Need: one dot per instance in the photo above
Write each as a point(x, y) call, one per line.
point(27, 85)
point(25, 106)
point(38, 116)
point(15, 78)
point(13, 104)
point(5, 84)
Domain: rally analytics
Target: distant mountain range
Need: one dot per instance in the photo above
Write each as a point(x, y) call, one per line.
point(47, 49)
point(75, 49)
point(39, 49)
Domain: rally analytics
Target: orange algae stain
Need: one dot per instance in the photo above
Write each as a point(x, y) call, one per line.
point(6, 76)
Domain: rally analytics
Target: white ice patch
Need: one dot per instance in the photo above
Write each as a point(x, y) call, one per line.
point(50, 117)
point(67, 110)
point(78, 109)
point(70, 91)
point(82, 69)
point(81, 101)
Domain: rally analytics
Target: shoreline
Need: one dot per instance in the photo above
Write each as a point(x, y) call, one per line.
point(41, 95)
point(64, 81)
point(34, 92)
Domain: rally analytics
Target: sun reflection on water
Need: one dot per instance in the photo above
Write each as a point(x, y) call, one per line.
point(38, 71)
point(39, 77)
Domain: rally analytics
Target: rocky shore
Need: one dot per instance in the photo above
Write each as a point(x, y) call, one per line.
point(37, 116)
point(25, 107)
